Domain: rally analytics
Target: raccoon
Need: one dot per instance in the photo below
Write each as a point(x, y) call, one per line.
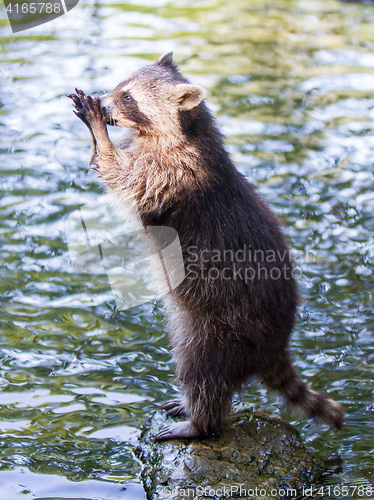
point(231, 318)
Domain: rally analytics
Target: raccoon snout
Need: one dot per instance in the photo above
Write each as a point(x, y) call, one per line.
point(108, 106)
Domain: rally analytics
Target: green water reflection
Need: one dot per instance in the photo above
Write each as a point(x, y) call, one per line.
point(292, 84)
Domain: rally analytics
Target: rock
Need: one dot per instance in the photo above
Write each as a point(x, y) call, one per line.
point(257, 456)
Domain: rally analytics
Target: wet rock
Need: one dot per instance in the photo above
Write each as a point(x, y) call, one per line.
point(258, 456)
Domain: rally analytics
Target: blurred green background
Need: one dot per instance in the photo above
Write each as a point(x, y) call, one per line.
point(292, 85)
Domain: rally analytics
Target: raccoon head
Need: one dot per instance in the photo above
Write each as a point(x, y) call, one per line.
point(152, 99)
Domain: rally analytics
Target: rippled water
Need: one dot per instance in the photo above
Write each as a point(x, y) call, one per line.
point(292, 83)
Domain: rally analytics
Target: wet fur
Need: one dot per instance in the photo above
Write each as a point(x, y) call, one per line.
point(178, 172)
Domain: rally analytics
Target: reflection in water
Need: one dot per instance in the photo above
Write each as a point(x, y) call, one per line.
point(22, 483)
point(292, 84)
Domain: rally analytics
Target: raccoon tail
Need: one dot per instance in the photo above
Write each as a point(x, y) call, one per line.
point(281, 377)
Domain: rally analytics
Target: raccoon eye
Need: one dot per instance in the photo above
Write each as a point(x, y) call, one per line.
point(127, 97)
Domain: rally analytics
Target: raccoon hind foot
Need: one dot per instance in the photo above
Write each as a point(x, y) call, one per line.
point(178, 430)
point(174, 408)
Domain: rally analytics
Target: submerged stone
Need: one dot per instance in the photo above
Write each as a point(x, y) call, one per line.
point(257, 456)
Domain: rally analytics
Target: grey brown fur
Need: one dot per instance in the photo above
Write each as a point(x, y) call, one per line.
point(176, 168)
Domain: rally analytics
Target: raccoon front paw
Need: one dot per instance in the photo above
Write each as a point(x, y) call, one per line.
point(178, 430)
point(78, 108)
point(174, 408)
point(89, 110)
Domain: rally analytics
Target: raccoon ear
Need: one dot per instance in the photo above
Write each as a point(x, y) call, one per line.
point(187, 96)
point(166, 60)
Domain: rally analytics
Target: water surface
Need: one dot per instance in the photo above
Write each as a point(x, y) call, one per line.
point(292, 84)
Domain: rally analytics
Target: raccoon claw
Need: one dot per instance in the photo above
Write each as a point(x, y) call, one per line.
point(82, 117)
point(75, 100)
point(174, 408)
point(178, 430)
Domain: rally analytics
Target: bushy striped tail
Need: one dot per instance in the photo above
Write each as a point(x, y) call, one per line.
point(282, 378)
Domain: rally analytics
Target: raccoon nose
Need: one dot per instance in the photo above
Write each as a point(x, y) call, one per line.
point(107, 103)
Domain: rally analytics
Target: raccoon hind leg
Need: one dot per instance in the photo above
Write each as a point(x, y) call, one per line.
point(208, 403)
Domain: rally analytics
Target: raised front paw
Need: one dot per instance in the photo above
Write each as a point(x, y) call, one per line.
point(89, 110)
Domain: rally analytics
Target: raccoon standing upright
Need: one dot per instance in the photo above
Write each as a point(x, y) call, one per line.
point(232, 316)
